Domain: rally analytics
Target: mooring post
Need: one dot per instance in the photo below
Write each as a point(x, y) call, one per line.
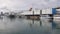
point(40, 17)
point(33, 17)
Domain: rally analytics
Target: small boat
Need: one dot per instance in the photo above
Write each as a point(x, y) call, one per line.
point(56, 18)
point(45, 18)
point(11, 16)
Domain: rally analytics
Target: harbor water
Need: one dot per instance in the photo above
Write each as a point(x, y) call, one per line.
point(26, 26)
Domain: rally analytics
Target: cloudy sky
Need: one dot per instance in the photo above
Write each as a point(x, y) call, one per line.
point(26, 4)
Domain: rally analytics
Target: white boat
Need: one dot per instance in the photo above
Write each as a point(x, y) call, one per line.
point(56, 18)
point(45, 18)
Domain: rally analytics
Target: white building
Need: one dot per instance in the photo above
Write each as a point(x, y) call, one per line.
point(37, 12)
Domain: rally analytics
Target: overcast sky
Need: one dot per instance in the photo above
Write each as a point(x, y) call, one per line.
point(26, 4)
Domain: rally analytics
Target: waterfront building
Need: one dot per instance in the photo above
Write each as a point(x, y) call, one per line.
point(36, 13)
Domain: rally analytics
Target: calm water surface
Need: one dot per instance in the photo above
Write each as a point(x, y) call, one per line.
point(25, 26)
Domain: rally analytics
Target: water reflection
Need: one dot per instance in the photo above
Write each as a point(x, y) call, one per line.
point(40, 23)
point(33, 21)
point(53, 25)
point(24, 26)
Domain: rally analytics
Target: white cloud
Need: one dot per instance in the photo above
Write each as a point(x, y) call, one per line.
point(26, 4)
